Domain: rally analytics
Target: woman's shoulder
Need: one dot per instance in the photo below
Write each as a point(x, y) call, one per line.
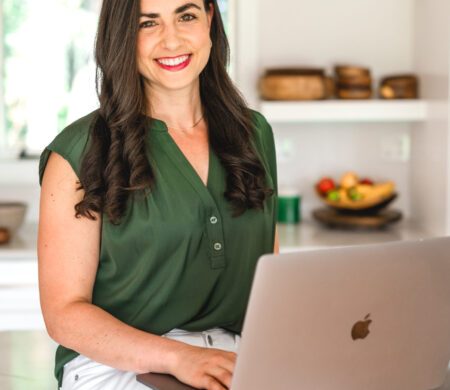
point(263, 130)
point(76, 132)
point(258, 119)
point(70, 143)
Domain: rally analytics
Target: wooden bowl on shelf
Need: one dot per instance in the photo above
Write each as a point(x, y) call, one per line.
point(296, 84)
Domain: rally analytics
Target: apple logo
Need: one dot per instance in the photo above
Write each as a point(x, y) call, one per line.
point(361, 329)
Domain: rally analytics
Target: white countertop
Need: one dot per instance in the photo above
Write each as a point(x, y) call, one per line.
point(310, 234)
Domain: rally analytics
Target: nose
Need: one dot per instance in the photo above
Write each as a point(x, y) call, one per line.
point(171, 37)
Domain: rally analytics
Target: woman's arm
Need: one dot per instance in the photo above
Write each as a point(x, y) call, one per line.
point(276, 248)
point(68, 252)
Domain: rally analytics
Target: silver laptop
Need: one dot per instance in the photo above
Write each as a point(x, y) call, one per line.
point(366, 317)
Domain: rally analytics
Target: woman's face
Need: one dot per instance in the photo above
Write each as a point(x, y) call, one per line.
point(175, 32)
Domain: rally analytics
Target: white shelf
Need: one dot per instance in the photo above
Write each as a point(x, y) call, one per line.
point(373, 110)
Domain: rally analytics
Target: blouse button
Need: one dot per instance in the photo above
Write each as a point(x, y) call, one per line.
point(217, 246)
point(213, 219)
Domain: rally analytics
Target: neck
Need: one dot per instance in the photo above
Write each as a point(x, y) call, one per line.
point(179, 109)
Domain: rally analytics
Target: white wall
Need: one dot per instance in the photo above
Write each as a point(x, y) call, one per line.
point(430, 143)
point(332, 150)
point(378, 34)
point(373, 33)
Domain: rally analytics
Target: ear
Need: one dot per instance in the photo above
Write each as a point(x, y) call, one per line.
point(210, 14)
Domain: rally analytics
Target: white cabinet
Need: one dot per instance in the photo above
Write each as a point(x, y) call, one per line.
point(19, 292)
point(19, 295)
point(404, 141)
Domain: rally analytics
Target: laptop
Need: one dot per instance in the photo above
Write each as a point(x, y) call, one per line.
point(372, 317)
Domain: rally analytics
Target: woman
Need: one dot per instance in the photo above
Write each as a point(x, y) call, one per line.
point(156, 207)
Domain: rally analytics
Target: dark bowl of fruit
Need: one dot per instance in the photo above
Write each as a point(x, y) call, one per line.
point(355, 196)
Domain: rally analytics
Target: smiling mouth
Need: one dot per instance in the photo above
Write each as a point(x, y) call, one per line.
point(173, 61)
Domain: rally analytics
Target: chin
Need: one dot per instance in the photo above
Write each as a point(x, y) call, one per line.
point(177, 85)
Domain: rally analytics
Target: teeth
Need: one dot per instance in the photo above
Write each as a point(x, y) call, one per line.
point(173, 62)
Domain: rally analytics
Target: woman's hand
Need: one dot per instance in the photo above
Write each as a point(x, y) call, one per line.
point(204, 368)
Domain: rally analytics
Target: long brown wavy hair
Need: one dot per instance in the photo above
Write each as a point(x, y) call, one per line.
point(115, 165)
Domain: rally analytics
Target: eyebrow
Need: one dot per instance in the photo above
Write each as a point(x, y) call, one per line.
point(179, 10)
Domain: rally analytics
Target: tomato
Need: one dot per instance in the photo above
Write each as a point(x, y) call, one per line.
point(366, 181)
point(325, 185)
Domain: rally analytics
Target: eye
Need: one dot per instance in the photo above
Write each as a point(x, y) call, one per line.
point(146, 24)
point(192, 17)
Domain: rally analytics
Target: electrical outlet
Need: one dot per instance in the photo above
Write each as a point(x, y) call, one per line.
point(284, 149)
point(396, 147)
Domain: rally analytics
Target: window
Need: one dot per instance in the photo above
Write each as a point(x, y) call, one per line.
point(47, 69)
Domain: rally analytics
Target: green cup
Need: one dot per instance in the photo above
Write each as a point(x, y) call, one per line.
point(289, 208)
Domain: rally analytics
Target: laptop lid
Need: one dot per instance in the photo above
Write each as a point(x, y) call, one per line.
point(349, 318)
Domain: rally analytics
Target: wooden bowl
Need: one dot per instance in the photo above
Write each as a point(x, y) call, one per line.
point(335, 219)
point(5, 236)
point(344, 71)
point(295, 84)
point(399, 87)
point(12, 215)
point(292, 87)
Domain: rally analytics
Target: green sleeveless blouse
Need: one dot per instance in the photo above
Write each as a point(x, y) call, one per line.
point(178, 259)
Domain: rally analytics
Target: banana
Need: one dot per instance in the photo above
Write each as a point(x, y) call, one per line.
point(371, 195)
point(364, 189)
point(380, 190)
point(343, 196)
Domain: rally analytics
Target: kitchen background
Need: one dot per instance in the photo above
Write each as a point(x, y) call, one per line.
point(404, 141)
point(405, 36)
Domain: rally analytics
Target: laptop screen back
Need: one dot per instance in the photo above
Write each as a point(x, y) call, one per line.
point(363, 317)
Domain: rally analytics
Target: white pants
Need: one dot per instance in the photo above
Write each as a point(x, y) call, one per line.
point(82, 373)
